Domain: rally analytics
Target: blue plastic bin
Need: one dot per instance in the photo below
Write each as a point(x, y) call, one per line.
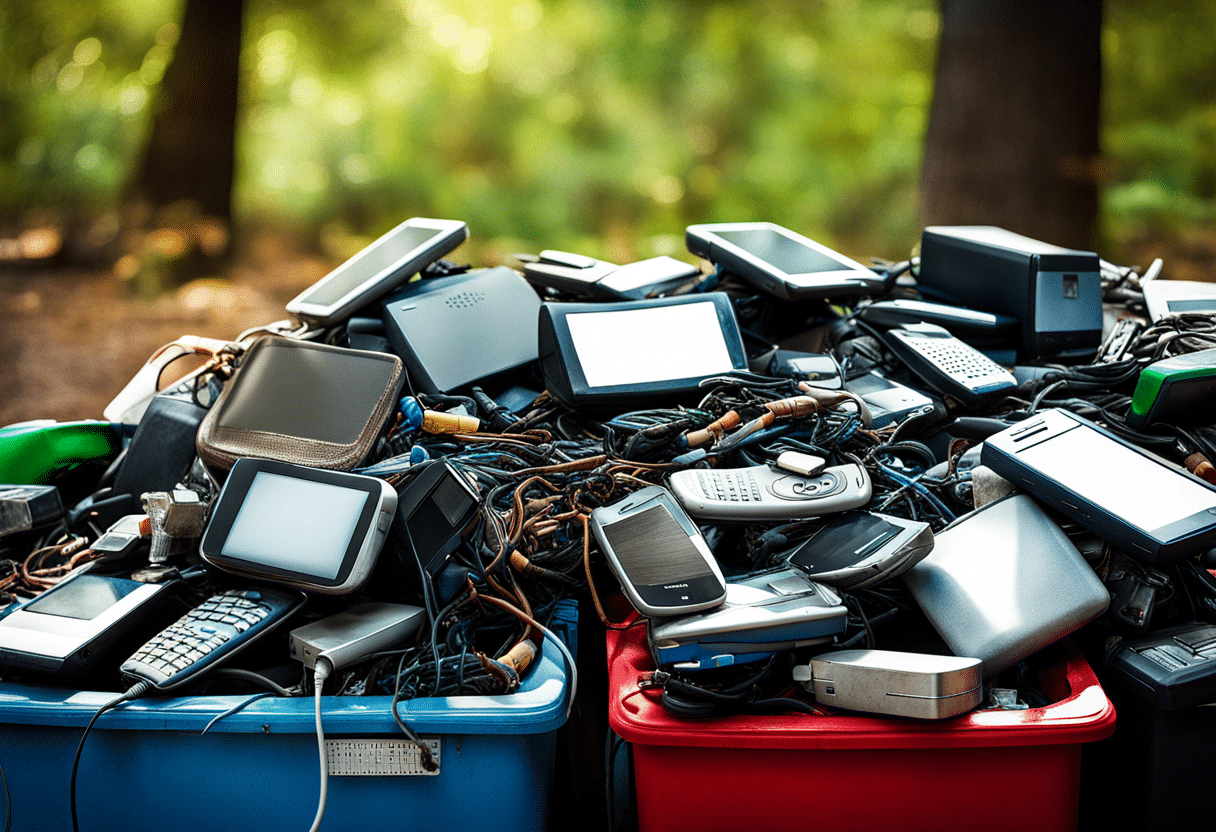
point(146, 766)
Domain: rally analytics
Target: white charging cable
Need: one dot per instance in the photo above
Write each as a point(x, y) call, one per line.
point(319, 674)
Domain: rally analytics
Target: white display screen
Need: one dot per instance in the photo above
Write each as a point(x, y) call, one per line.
point(648, 344)
point(1118, 479)
point(295, 524)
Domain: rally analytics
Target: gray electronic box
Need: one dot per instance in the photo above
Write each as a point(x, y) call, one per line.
point(1003, 582)
point(453, 331)
point(915, 685)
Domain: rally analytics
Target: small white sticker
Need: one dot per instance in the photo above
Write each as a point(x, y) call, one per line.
point(379, 757)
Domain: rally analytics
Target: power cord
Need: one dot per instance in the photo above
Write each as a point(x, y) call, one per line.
point(137, 690)
point(8, 802)
point(319, 674)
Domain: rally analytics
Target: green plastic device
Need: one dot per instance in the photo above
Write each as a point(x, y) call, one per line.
point(1179, 390)
point(32, 453)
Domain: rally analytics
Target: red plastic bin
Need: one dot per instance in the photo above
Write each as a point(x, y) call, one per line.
point(990, 770)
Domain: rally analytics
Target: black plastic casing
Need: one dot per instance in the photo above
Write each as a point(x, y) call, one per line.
point(563, 374)
point(984, 330)
point(988, 268)
point(1171, 542)
point(432, 511)
point(454, 331)
point(1171, 689)
point(163, 447)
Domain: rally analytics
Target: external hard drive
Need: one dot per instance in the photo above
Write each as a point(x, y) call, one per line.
point(916, 685)
point(1003, 582)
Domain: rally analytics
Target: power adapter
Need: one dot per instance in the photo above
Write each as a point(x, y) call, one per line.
point(331, 643)
point(352, 635)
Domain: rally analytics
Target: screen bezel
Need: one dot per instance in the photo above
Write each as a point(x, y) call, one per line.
point(233, 495)
point(1002, 453)
point(557, 314)
point(448, 234)
point(852, 276)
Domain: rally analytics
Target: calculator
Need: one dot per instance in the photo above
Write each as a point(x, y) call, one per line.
point(210, 633)
point(950, 366)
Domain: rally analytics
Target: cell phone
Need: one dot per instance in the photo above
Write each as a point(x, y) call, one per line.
point(889, 401)
point(658, 554)
point(781, 262)
point(80, 623)
point(600, 280)
point(979, 329)
point(770, 492)
point(858, 549)
point(1149, 509)
point(209, 634)
point(781, 609)
point(377, 270)
point(946, 363)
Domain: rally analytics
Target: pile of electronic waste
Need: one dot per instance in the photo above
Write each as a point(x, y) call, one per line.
point(820, 484)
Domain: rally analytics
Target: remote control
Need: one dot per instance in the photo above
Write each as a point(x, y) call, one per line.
point(209, 634)
point(775, 492)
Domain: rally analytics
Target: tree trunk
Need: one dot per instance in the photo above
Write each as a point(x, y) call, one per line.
point(1012, 139)
point(190, 153)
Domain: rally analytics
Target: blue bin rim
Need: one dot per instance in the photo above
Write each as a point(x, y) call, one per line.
point(539, 706)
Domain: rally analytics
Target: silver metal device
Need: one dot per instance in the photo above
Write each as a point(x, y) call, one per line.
point(916, 685)
point(658, 554)
point(1003, 582)
point(358, 632)
point(780, 609)
point(372, 273)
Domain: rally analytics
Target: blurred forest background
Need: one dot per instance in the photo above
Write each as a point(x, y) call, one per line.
point(593, 126)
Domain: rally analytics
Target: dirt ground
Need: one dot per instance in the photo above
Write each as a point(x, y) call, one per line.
point(70, 340)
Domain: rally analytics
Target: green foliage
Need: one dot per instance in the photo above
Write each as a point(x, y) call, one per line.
point(1160, 133)
point(76, 81)
point(602, 126)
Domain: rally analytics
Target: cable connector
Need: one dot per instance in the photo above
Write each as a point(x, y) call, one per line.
point(437, 422)
point(653, 679)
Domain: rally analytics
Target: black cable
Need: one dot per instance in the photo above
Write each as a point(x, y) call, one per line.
point(137, 690)
point(8, 802)
point(612, 747)
point(783, 703)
